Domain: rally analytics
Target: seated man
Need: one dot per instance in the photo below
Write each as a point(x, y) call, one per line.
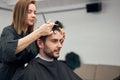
point(46, 66)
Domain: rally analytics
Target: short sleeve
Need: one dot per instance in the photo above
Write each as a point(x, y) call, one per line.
point(8, 44)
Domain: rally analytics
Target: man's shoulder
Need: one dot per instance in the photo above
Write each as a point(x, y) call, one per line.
point(30, 68)
point(62, 62)
point(22, 72)
point(32, 63)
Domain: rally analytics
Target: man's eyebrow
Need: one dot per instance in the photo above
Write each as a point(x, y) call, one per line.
point(54, 39)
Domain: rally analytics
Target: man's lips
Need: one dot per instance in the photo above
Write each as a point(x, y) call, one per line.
point(57, 51)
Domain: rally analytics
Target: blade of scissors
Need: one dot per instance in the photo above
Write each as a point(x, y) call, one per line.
point(44, 17)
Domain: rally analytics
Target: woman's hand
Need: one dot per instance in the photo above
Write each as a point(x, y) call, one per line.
point(46, 29)
point(63, 33)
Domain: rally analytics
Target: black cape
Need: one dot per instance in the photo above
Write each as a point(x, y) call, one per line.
point(39, 69)
point(9, 61)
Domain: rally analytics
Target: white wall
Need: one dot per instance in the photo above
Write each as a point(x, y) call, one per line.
point(94, 36)
point(5, 19)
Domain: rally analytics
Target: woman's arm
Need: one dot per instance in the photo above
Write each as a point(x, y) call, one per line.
point(12, 44)
point(45, 29)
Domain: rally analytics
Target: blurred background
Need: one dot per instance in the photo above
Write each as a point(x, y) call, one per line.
point(93, 34)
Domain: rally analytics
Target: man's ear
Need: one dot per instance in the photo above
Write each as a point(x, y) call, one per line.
point(40, 43)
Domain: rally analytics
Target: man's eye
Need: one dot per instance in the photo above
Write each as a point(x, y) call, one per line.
point(61, 41)
point(54, 41)
point(35, 12)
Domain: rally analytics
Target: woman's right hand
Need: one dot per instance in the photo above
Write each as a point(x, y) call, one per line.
point(46, 28)
point(43, 30)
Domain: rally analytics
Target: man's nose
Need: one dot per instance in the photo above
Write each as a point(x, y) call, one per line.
point(59, 44)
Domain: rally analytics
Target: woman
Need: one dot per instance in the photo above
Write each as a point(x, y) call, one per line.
point(17, 42)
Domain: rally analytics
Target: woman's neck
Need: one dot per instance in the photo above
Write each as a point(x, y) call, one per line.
point(25, 30)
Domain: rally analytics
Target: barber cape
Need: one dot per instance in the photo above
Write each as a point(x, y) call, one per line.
point(39, 69)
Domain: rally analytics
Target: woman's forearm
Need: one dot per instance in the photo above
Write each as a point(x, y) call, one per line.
point(27, 40)
point(43, 30)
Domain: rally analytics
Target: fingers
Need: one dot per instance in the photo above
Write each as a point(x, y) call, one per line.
point(49, 21)
point(63, 33)
point(62, 30)
point(48, 27)
point(51, 32)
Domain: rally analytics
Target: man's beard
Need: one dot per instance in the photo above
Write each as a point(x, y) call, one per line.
point(49, 54)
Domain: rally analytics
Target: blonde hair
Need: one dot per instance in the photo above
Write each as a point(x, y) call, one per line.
point(20, 12)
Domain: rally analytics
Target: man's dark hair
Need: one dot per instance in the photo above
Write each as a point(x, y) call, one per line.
point(57, 27)
point(59, 24)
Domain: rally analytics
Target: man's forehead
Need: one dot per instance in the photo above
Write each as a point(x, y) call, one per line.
point(56, 34)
